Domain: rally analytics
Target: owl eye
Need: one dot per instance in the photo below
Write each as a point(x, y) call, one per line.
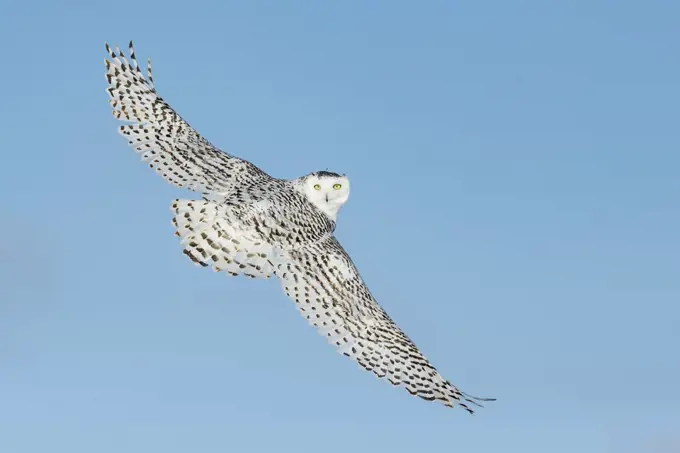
point(336, 186)
point(317, 187)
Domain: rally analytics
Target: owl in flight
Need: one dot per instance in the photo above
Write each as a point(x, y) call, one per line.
point(252, 224)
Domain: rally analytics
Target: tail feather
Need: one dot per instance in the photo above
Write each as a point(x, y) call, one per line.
point(209, 239)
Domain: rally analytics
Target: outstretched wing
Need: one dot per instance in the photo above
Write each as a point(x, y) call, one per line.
point(163, 139)
point(329, 292)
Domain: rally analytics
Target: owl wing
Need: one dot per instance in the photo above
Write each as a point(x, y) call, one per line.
point(163, 139)
point(329, 292)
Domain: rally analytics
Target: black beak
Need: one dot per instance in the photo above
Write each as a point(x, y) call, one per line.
point(326, 198)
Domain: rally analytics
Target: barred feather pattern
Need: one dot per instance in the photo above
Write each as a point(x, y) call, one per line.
point(328, 291)
point(249, 223)
point(166, 142)
point(210, 238)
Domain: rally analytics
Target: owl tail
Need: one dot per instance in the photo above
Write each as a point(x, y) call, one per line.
point(210, 238)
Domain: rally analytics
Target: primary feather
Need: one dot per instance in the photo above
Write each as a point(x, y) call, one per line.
point(249, 223)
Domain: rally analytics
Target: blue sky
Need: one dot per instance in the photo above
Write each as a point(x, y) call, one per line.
point(514, 169)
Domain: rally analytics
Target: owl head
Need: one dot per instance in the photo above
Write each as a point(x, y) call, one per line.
point(326, 190)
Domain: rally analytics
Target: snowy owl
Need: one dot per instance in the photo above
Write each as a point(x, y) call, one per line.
point(252, 224)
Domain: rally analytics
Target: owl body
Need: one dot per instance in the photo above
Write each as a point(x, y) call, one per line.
point(249, 223)
point(279, 212)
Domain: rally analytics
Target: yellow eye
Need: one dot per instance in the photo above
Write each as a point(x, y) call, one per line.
point(317, 187)
point(336, 186)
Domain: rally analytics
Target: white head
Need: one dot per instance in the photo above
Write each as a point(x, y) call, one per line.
point(326, 190)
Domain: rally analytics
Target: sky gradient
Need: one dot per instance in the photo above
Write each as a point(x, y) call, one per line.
point(514, 208)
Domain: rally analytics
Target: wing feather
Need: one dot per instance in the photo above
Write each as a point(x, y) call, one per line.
point(166, 142)
point(328, 291)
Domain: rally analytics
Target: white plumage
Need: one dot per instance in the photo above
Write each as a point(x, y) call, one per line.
point(249, 223)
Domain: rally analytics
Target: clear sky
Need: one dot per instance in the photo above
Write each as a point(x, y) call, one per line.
point(515, 208)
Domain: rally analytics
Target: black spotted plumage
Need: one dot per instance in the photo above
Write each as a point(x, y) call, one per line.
point(326, 173)
point(250, 223)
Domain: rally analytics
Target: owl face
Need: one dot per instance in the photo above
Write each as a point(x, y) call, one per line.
point(327, 191)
